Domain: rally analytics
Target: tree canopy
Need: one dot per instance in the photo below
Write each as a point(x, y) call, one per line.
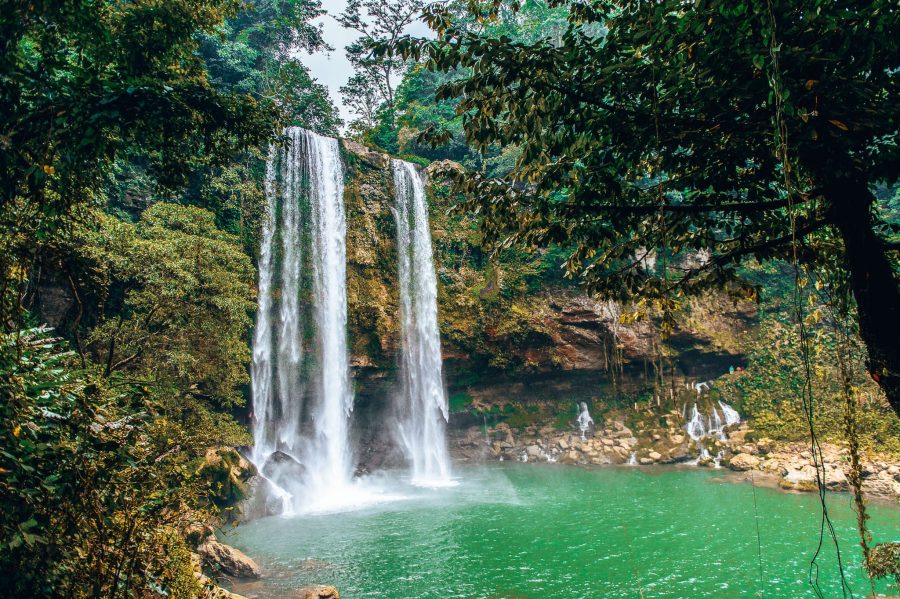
point(666, 144)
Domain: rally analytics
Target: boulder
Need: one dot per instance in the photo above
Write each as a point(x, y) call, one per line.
point(678, 454)
point(320, 592)
point(533, 451)
point(283, 469)
point(261, 502)
point(835, 479)
point(227, 472)
point(677, 439)
point(800, 480)
point(570, 457)
point(372, 157)
point(563, 444)
point(655, 456)
point(743, 461)
point(645, 461)
point(628, 441)
point(228, 560)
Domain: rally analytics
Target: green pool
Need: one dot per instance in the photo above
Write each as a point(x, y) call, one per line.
point(534, 531)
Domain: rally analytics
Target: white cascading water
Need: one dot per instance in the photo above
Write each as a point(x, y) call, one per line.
point(261, 367)
point(696, 427)
point(731, 415)
point(422, 409)
point(699, 427)
point(289, 343)
point(310, 174)
point(330, 462)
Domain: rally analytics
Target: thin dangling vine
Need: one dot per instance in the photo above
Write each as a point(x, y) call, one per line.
point(781, 149)
point(838, 304)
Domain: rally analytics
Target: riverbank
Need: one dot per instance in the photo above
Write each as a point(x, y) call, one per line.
point(735, 447)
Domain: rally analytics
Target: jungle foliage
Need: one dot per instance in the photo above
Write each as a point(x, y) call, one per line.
point(131, 144)
point(703, 136)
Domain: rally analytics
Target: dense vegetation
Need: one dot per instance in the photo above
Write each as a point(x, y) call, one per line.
point(649, 152)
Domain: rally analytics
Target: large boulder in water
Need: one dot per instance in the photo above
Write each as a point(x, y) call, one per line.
point(262, 502)
point(283, 469)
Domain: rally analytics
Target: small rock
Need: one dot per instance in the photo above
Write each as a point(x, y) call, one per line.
point(654, 456)
point(320, 592)
point(645, 461)
point(563, 444)
point(678, 439)
point(533, 451)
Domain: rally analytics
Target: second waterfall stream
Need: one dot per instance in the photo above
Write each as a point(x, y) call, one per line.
point(422, 409)
point(301, 382)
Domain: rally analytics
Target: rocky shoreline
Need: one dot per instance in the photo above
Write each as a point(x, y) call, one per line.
point(614, 443)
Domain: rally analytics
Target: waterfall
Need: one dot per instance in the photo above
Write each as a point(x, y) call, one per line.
point(289, 344)
point(330, 461)
point(304, 182)
point(422, 405)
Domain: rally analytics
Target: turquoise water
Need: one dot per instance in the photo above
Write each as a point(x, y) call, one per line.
point(532, 531)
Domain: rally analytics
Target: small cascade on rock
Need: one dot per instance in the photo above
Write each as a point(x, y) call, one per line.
point(632, 459)
point(584, 420)
point(304, 191)
point(717, 461)
point(422, 408)
point(699, 427)
point(696, 427)
point(731, 415)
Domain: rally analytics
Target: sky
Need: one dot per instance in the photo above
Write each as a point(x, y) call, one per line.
point(332, 69)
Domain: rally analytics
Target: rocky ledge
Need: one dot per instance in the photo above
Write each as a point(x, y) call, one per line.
point(614, 443)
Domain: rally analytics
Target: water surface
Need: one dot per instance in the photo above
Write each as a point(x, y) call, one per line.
point(530, 531)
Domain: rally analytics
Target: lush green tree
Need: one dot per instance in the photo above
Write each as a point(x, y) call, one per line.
point(706, 134)
point(82, 82)
point(418, 110)
point(255, 52)
point(176, 294)
point(372, 89)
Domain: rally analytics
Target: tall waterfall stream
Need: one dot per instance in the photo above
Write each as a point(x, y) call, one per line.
point(422, 409)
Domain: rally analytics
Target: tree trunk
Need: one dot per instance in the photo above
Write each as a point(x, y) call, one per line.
point(872, 281)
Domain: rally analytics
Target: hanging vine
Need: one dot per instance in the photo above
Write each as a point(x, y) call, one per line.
point(800, 282)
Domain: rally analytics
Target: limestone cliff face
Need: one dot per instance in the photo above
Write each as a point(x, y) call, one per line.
point(372, 295)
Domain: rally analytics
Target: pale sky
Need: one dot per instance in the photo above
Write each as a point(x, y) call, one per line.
point(333, 69)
